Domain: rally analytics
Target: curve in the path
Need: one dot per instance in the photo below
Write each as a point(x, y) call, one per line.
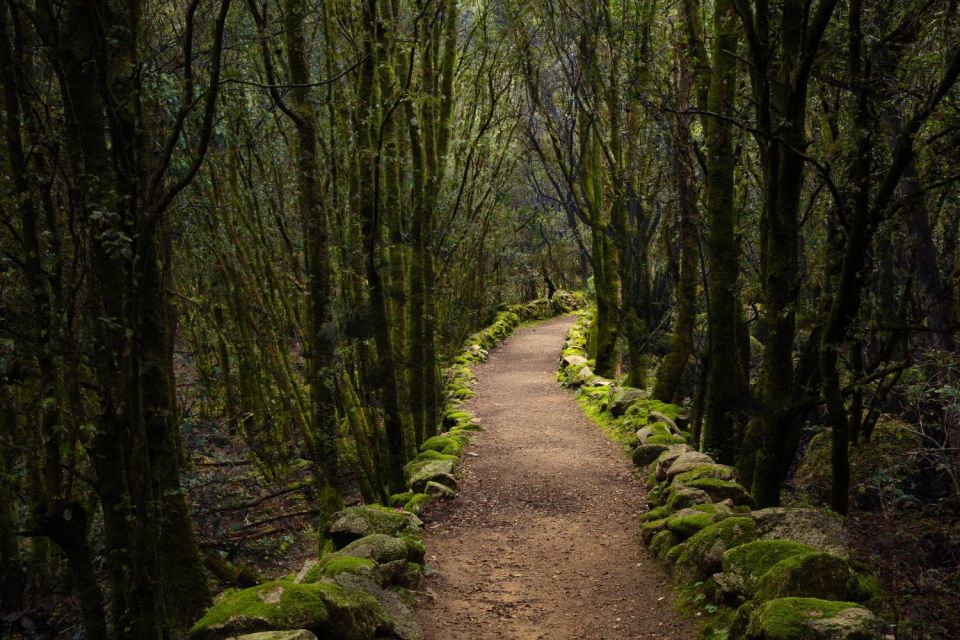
point(543, 541)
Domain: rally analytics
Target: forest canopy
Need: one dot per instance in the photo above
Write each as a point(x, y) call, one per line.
point(256, 234)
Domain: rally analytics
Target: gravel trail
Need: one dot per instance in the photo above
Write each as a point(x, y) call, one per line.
point(543, 541)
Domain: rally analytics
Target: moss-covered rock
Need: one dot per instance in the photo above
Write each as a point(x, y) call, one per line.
point(452, 416)
point(665, 440)
point(662, 542)
point(651, 528)
point(421, 471)
point(812, 619)
point(400, 621)
point(623, 397)
point(658, 417)
point(647, 453)
point(435, 489)
point(815, 575)
point(680, 496)
point(354, 523)
point(711, 471)
point(652, 430)
point(397, 500)
point(324, 608)
point(657, 513)
point(821, 529)
point(332, 564)
point(705, 549)
point(659, 467)
point(446, 444)
point(377, 547)
point(574, 360)
point(687, 522)
point(720, 490)
point(687, 461)
point(744, 566)
point(416, 503)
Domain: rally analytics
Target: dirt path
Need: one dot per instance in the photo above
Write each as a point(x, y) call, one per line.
point(543, 540)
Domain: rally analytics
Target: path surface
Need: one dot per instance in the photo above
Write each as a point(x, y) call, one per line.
point(543, 541)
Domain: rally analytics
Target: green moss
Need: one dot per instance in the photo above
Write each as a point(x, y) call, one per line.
point(650, 529)
point(704, 550)
point(416, 503)
point(743, 566)
point(707, 471)
point(687, 524)
point(377, 547)
point(655, 429)
point(720, 490)
point(427, 466)
point(446, 444)
point(675, 552)
point(680, 496)
point(641, 409)
point(667, 440)
point(335, 563)
point(400, 499)
point(798, 619)
point(415, 546)
point(821, 575)
point(273, 605)
point(655, 514)
point(662, 542)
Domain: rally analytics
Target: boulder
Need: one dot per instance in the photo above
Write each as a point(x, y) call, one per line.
point(400, 621)
point(687, 522)
point(821, 529)
point(647, 453)
point(623, 397)
point(687, 462)
point(661, 544)
point(435, 489)
point(333, 564)
point(652, 430)
point(712, 471)
point(377, 547)
point(666, 459)
point(659, 418)
point(420, 472)
point(681, 496)
point(324, 608)
point(577, 376)
point(354, 523)
point(819, 575)
point(574, 361)
point(720, 490)
point(812, 619)
point(452, 445)
point(705, 549)
point(745, 565)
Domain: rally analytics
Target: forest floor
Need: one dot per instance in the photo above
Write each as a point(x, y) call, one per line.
point(543, 540)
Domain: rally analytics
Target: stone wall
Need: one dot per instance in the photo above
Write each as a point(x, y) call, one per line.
point(767, 574)
point(358, 588)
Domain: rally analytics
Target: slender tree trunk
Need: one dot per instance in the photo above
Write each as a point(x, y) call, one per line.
point(722, 400)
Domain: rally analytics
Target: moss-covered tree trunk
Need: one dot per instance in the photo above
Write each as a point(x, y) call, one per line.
point(367, 121)
point(323, 332)
point(722, 253)
point(780, 70)
point(674, 365)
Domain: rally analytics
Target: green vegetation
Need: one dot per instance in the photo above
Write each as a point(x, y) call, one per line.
point(251, 251)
